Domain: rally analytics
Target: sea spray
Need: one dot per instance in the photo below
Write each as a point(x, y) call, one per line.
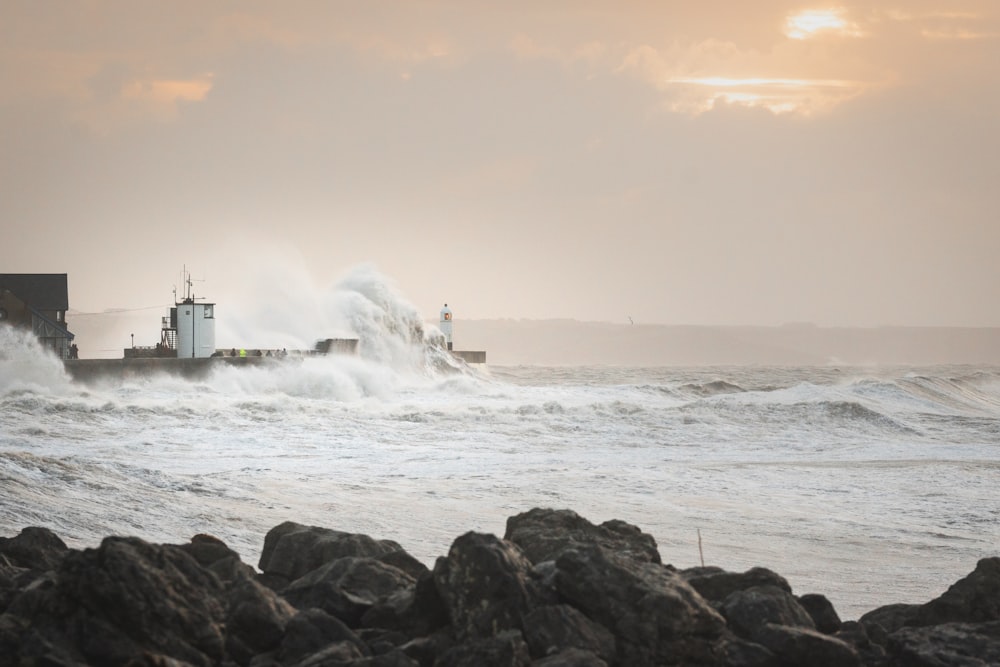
point(26, 366)
point(288, 310)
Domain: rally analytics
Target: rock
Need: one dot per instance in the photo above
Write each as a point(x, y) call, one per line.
point(339, 654)
point(485, 585)
point(256, 618)
point(425, 650)
point(426, 612)
point(803, 646)
point(973, 599)
point(748, 611)
point(821, 611)
point(119, 602)
point(571, 657)
point(34, 549)
point(655, 616)
point(716, 584)
point(312, 630)
point(736, 652)
point(880, 622)
point(543, 534)
point(856, 635)
point(555, 628)
point(506, 649)
point(347, 587)
point(13, 579)
point(292, 550)
point(952, 644)
point(401, 560)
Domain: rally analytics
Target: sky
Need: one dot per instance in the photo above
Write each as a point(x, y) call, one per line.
point(674, 162)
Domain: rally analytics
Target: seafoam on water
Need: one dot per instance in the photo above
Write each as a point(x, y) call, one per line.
point(869, 485)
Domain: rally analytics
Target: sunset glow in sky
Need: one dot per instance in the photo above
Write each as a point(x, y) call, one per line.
point(722, 162)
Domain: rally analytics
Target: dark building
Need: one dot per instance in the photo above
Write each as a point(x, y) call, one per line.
point(38, 301)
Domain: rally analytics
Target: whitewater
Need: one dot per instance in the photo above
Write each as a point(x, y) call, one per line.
point(870, 485)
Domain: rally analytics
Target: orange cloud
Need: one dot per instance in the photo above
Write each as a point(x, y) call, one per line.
point(816, 22)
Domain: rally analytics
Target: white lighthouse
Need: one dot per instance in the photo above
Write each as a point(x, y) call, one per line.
point(445, 325)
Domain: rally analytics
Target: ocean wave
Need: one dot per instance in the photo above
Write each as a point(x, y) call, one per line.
point(713, 388)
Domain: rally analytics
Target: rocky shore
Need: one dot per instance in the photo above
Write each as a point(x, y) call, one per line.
point(555, 591)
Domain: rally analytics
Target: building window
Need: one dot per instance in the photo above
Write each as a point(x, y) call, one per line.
point(209, 311)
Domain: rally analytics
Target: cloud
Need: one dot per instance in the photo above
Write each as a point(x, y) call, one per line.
point(813, 23)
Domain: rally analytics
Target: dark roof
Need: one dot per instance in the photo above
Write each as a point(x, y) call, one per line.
point(42, 291)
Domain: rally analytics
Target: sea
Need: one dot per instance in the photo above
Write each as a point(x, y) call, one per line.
point(870, 485)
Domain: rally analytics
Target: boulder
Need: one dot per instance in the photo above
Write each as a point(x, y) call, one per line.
point(292, 550)
point(310, 631)
point(803, 646)
point(117, 603)
point(748, 611)
point(419, 614)
point(973, 599)
point(485, 585)
point(34, 548)
point(505, 649)
point(856, 635)
point(553, 629)
point(347, 587)
point(716, 584)
point(953, 644)
point(654, 614)
point(543, 534)
point(571, 657)
point(882, 621)
point(821, 611)
point(256, 618)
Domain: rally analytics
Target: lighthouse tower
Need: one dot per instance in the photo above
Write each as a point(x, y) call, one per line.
point(445, 325)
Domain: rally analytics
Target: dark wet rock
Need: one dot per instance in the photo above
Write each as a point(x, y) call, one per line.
point(733, 651)
point(555, 628)
point(543, 534)
point(426, 612)
point(425, 650)
point(803, 646)
point(401, 560)
point(312, 630)
point(337, 654)
point(256, 618)
point(207, 550)
point(347, 587)
point(121, 601)
point(13, 579)
point(951, 644)
point(716, 584)
point(571, 657)
point(884, 620)
point(750, 610)
point(485, 585)
point(506, 649)
point(973, 599)
point(655, 616)
point(821, 610)
point(590, 595)
point(34, 548)
point(856, 635)
point(292, 550)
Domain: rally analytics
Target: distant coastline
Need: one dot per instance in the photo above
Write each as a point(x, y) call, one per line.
point(572, 342)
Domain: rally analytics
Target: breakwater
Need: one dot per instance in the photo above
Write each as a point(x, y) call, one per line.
point(555, 590)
